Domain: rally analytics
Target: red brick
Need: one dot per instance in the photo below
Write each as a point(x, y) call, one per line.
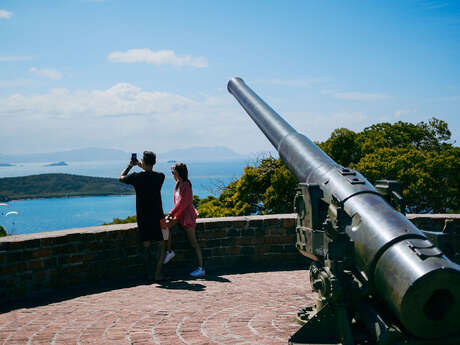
point(272, 239)
point(78, 268)
point(13, 268)
point(259, 240)
point(39, 276)
point(218, 251)
point(289, 223)
point(72, 259)
point(243, 241)
point(35, 265)
point(13, 245)
point(271, 222)
point(93, 246)
point(47, 241)
point(14, 256)
point(40, 253)
point(49, 262)
point(233, 250)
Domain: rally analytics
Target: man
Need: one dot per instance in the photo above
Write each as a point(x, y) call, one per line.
point(149, 209)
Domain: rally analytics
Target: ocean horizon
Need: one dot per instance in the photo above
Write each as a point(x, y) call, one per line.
point(50, 214)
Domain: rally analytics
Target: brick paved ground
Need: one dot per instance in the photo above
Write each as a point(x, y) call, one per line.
point(250, 308)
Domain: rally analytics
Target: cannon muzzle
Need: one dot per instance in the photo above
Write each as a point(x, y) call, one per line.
point(404, 270)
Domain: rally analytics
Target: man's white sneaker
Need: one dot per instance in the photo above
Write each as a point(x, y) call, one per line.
point(199, 272)
point(169, 255)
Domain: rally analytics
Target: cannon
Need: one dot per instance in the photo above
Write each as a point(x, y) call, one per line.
point(378, 278)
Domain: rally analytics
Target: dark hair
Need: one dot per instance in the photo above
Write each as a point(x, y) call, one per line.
point(149, 158)
point(182, 170)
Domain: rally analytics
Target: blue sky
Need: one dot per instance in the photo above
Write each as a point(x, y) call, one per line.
point(137, 75)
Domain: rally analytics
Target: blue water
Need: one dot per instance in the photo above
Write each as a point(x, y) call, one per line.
point(40, 215)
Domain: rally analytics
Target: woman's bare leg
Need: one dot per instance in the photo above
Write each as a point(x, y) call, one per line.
point(194, 243)
point(170, 224)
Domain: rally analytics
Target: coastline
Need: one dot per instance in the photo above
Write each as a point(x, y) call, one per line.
point(59, 185)
point(68, 196)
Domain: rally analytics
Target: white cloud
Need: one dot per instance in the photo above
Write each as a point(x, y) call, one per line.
point(161, 57)
point(14, 58)
point(127, 117)
point(5, 14)
point(122, 99)
point(10, 84)
point(212, 100)
point(360, 96)
point(47, 73)
point(122, 116)
point(403, 112)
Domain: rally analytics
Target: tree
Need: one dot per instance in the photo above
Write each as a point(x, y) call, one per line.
point(343, 146)
point(3, 231)
point(421, 156)
point(266, 188)
point(431, 136)
point(429, 179)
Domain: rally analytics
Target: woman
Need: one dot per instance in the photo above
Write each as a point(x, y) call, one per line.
point(184, 213)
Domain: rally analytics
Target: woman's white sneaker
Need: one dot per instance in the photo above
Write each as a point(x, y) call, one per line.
point(169, 255)
point(199, 272)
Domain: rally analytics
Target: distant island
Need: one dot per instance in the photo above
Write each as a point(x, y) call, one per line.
point(59, 185)
point(79, 155)
point(196, 153)
point(57, 164)
point(6, 165)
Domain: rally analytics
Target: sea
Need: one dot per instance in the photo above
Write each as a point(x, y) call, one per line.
point(42, 215)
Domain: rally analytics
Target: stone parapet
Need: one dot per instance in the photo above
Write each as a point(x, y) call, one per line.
point(436, 222)
point(49, 261)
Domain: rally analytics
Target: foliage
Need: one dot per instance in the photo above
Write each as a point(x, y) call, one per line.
point(343, 146)
point(3, 231)
point(431, 136)
point(59, 185)
point(130, 219)
point(419, 155)
point(429, 179)
point(266, 188)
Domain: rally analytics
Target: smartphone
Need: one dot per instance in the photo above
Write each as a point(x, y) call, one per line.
point(134, 157)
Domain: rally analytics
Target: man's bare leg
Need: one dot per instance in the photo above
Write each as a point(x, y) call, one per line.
point(160, 255)
point(147, 256)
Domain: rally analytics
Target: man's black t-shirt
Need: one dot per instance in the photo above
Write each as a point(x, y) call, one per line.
point(149, 207)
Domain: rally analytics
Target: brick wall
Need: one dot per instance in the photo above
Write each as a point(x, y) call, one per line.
point(436, 222)
point(55, 260)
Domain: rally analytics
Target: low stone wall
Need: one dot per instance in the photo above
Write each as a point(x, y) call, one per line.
point(436, 222)
point(55, 260)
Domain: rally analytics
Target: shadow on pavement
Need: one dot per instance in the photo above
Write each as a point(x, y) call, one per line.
point(181, 285)
point(181, 281)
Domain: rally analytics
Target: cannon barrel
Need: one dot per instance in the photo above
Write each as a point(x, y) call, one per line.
point(405, 270)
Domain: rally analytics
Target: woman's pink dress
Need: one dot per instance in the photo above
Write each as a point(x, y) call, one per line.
point(183, 208)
